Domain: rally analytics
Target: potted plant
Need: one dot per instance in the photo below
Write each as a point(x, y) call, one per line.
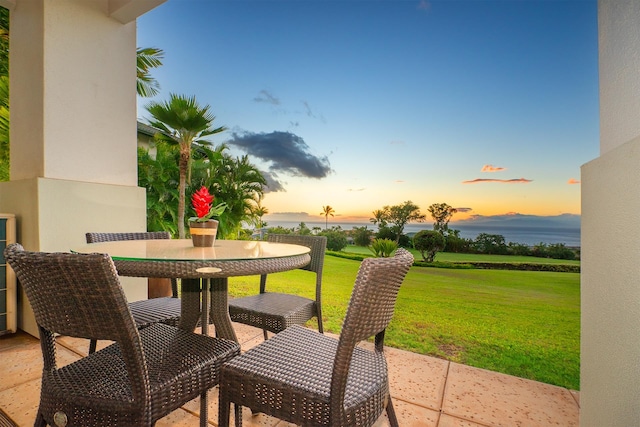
point(203, 226)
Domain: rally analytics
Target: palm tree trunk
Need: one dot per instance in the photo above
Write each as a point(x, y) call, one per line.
point(182, 188)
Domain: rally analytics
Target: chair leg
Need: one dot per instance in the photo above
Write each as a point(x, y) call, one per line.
point(40, 422)
point(238, 414)
point(266, 335)
point(391, 413)
point(204, 410)
point(223, 413)
point(92, 346)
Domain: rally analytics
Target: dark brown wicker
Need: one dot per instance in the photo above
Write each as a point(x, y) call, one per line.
point(145, 375)
point(309, 379)
point(273, 311)
point(145, 312)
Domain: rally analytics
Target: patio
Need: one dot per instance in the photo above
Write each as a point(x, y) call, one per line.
point(427, 392)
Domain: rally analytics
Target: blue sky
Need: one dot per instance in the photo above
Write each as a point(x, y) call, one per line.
point(489, 106)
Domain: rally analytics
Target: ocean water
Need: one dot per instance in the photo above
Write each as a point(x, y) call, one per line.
point(517, 234)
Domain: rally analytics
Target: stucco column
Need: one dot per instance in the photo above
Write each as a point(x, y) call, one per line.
point(73, 126)
point(610, 279)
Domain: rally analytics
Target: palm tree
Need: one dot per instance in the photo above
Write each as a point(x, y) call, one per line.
point(146, 59)
point(185, 123)
point(379, 218)
point(326, 211)
point(234, 181)
point(261, 211)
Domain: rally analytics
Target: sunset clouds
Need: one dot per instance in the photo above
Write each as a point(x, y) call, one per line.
point(573, 181)
point(504, 181)
point(492, 169)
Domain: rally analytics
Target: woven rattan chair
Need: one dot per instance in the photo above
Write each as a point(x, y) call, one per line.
point(143, 376)
point(310, 379)
point(145, 312)
point(273, 311)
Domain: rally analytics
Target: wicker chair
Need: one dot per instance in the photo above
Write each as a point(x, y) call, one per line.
point(310, 379)
point(274, 312)
point(145, 312)
point(145, 375)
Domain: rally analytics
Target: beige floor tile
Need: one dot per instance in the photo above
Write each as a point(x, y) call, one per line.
point(576, 396)
point(410, 415)
point(179, 418)
point(449, 421)
point(80, 345)
point(20, 364)
point(17, 339)
point(416, 378)
point(21, 402)
point(495, 399)
point(248, 419)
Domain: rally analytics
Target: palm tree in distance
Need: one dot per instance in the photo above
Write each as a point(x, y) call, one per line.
point(326, 211)
point(185, 123)
point(379, 218)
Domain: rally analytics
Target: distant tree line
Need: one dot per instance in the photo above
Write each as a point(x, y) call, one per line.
point(391, 221)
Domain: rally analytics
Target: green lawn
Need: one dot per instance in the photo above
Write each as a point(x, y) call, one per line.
point(521, 323)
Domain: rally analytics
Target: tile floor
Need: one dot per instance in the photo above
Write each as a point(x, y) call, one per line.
point(427, 392)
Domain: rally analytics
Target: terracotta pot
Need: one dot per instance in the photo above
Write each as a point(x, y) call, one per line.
point(203, 234)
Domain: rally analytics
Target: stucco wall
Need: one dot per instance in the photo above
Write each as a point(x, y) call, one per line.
point(76, 116)
point(610, 279)
point(619, 68)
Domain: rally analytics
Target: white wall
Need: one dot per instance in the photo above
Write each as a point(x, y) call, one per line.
point(610, 279)
point(73, 126)
point(619, 68)
point(76, 116)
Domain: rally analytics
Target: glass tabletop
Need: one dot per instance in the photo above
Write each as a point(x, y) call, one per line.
point(183, 250)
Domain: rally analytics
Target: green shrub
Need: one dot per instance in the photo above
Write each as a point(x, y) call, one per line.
point(383, 247)
point(428, 242)
point(336, 239)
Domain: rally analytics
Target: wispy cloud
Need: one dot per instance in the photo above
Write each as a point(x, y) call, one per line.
point(267, 97)
point(463, 210)
point(491, 168)
point(573, 181)
point(287, 153)
point(424, 5)
point(502, 181)
point(399, 181)
point(356, 189)
point(311, 113)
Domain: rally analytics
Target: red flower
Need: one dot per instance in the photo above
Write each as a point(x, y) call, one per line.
point(202, 202)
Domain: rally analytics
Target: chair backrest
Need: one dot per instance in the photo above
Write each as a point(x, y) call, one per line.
point(369, 312)
point(79, 295)
point(317, 244)
point(139, 235)
point(142, 235)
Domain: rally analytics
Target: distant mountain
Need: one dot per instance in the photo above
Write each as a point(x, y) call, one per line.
point(520, 220)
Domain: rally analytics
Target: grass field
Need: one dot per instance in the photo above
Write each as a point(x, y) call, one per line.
point(521, 323)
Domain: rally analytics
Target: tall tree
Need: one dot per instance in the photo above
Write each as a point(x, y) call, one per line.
point(4, 94)
point(441, 214)
point(187, 124)
point(400, 215)
point(146, 59)
point(326, 211)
